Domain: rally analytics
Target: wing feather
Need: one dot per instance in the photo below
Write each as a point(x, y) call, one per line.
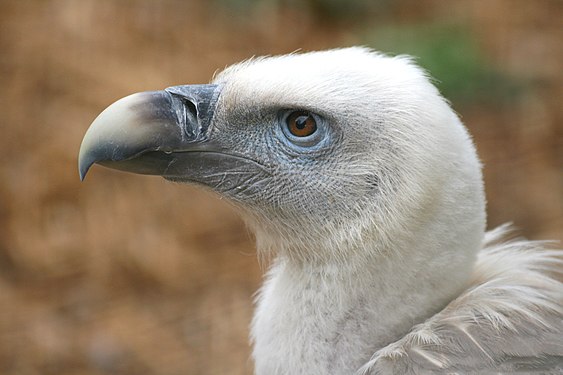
point(510, 320)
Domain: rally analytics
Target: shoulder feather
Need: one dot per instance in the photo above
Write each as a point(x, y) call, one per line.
point(510, 319)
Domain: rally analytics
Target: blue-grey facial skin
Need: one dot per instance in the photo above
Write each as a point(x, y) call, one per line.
point(292, 166)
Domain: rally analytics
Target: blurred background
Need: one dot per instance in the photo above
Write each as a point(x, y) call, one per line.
point(125, 274)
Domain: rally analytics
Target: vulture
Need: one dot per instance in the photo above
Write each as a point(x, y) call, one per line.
point(365, 194)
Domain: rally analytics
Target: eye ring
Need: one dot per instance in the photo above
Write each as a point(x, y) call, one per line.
point(301, 124)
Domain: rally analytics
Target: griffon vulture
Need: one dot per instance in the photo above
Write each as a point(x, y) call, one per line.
point(364, 189)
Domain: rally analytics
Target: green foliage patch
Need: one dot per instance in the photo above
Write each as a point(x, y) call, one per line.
point(452, 57)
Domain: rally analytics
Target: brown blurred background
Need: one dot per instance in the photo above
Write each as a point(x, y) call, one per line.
point(126, 274)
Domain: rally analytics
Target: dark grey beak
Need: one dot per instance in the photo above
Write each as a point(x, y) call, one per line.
point(154, 132)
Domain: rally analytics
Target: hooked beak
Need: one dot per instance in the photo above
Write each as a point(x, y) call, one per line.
point(167, 133)
point(155, 132)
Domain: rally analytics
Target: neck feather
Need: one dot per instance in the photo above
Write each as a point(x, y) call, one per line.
point(330, 317)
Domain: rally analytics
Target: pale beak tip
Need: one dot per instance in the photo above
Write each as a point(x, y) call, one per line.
point(82, 173)
point(84, 166)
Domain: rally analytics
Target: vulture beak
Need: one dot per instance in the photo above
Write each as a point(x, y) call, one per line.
point(162, 133)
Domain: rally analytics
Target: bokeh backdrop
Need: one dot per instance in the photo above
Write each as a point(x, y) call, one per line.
point(126, 274)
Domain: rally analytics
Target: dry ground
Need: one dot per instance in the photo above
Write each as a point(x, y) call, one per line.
point(126, 274)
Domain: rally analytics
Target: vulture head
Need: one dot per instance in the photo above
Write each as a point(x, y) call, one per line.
point(325, 153)
point(360, 183)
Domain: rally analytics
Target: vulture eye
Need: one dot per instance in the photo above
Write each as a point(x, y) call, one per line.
point(301, 124)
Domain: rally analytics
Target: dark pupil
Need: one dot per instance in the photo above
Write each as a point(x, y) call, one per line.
point(301, 122)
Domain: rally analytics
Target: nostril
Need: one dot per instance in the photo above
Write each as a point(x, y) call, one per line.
point(194, 106)
point(191, 124)
point(187, 114)
point(191, 107)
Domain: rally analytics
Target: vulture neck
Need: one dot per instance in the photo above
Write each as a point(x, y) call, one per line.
point(330, 317)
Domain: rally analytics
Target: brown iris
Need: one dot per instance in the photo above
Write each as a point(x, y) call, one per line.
point(301, 124)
